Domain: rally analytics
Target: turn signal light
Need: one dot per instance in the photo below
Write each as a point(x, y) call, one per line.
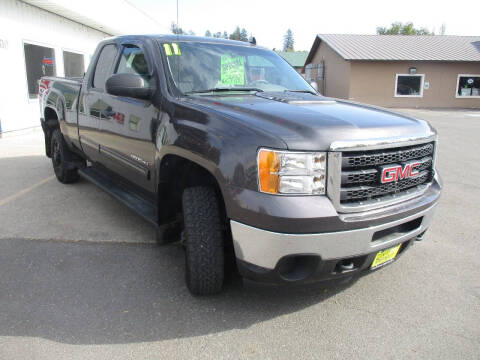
point(268, 167)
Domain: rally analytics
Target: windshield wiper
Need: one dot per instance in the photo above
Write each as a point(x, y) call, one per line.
point(302, 91)
point(226, 89)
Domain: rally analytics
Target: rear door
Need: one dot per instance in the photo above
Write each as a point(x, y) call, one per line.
point(126, 144)
point(92, 107)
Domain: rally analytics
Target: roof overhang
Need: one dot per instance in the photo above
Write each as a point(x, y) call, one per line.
point(96, 14)
point(313, 50)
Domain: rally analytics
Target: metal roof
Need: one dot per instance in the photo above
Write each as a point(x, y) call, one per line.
point(294, 58)
point(401, 47)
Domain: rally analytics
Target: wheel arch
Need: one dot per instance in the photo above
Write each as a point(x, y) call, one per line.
point(52, 122)
point(179, 169)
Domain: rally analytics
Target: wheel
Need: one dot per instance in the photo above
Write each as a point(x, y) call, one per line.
point(204, 241)
point(64, 172)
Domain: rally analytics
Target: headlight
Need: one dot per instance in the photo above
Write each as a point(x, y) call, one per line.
point(286, 172)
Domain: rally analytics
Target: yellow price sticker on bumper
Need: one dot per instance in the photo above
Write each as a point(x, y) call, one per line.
point(385, 256)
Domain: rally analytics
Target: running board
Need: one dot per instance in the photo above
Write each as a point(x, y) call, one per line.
point(132, 199)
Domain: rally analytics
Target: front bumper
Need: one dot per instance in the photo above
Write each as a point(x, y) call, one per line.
point(280, 257)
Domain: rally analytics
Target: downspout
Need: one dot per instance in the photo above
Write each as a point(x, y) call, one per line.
point(324, 86)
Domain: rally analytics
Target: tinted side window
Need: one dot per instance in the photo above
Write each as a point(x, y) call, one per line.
point(104, 65)
point(133, 61)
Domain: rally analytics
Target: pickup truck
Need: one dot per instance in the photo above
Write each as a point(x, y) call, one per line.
point(223, 146)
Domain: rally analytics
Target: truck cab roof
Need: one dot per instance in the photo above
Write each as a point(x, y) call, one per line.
point(184, 38)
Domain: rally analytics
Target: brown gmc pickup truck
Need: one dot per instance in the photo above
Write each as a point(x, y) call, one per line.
point(222, 145)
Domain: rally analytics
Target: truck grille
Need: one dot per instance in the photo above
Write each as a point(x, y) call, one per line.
point(361, 172)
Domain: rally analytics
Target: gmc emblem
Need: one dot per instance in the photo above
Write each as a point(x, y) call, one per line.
point(393, 173)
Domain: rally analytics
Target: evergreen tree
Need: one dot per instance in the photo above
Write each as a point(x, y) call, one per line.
point(243, 35)
point(443, 29)
point(208, 33)
point(176, 30)
point(236, 34)
point(288, 41)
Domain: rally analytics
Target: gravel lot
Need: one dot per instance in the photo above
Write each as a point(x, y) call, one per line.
point(80, 278)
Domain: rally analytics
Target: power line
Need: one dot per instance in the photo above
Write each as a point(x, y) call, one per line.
point(148, 16)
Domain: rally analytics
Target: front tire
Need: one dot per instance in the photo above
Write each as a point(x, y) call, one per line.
point(64, 172)
point(204, 241)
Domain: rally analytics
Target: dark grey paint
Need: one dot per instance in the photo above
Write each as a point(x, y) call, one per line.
point(222, 134)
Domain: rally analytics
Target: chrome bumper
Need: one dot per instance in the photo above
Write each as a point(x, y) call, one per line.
point(265, 248)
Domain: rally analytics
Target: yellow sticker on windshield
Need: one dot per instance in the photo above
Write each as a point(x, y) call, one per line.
point(232, 70)
point(176, 49)
point(168, 49)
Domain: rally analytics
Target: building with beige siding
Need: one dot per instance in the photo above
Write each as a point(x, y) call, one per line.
point(440, 71)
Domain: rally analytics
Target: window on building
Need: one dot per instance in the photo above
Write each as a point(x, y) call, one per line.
point(104, 66)
point(468, 86)
point(39, 61)
point(409, 85)
point(73, 64)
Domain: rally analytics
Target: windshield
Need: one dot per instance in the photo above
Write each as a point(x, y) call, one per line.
point(203, 67)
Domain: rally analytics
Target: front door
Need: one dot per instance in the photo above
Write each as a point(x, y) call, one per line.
point(126, 139)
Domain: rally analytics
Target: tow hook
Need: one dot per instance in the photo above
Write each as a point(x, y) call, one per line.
point(346, 266)
point(420, 236)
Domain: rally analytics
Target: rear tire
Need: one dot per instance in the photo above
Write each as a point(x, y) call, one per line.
point(204, 241)
point(64, 171)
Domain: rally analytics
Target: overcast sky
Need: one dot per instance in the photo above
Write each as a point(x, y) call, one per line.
point(269, 20)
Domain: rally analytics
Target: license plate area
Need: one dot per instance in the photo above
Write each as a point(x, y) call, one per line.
point(385, 257)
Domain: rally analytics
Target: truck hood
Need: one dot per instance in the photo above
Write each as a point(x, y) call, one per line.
point(310, 122)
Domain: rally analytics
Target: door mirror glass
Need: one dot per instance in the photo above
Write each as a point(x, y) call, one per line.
point(128, 85)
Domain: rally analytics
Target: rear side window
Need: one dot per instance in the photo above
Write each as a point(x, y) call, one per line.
point(73, 63)
point(104, 66)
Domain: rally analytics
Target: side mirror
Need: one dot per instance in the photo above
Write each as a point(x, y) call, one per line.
point(128, 85)
point(314, 85)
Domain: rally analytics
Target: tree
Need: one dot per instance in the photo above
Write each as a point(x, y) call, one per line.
point(443, 29)
point(243, 35)
point(176, 30)
point(208, 33)
point(398, 28)
point(235, 35)
point(288, 41)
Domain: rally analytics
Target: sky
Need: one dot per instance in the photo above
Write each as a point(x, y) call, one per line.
point(269, 20)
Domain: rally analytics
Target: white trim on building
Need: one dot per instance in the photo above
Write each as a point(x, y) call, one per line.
point(422, 82)
point(471, 90)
